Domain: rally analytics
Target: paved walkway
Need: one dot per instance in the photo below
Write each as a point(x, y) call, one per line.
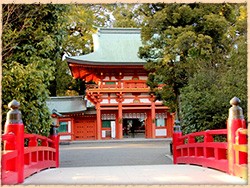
point(134, 175)
point(126, 140)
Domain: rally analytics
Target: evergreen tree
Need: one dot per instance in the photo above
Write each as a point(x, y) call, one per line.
point(205, 101)
point(32, 36)
point(181, 40)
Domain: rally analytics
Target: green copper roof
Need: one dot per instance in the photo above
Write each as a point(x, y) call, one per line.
point(113, 46)
point(66, 104)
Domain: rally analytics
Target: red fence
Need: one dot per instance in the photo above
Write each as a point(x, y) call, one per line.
point(201, 148)
point(240, 149)
point(25, 154)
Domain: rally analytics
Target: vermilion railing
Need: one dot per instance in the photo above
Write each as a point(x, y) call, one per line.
point(41, 153)
point(201, 148)
point(135, 84)
point(241, 149)
point(9, 171)
point(25, 154)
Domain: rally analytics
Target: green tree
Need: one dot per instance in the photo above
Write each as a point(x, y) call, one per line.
point(31, 37)
point(182, 39)
point(127, 15)
point(205, 101)
point(25, 84)
point(78, 27)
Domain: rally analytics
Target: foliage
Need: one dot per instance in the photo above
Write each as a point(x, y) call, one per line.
point(79, 23)
point(186, 44)
point(127, 15)
point(25, 84)
point(31, 38)
point(205, 101)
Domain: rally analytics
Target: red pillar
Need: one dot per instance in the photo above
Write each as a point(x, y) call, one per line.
point(152, 99)
point(98, 121)
point(119, 127)
point(235, 121)
point(119, 132)
point(148, 125)
point(170, 124)
point(15, 125)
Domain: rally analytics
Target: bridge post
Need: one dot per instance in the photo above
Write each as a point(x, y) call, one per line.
point(14, 125)
point(55, 137)
point(176, 134)
point(234, 122)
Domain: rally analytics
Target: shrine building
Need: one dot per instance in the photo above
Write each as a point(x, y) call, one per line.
point(122, 104)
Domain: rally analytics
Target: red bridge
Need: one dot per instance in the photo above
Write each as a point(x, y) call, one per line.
point(201, 148)
point(26, 154)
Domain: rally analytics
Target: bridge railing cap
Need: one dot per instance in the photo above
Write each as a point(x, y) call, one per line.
point(14, 104)
point(14, 115)
point(235, 112)
point(235, 101)
point(177, 126)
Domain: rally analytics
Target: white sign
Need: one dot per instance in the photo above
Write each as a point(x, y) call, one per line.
point(103, 134)
point(112, 129)
point(160, 132)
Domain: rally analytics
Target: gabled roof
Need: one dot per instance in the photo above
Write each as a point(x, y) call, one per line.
point(65, 104)
point(113, 46)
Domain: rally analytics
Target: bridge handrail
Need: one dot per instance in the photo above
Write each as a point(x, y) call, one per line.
point(241, 149)
point(8, 137)
point(229, 156)
point(36, 157)
point(25, 154)
point(35, 138)
point(204, 133)
point(205, 152)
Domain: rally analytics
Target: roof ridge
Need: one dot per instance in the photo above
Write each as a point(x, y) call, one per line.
point(119, 30)
point(66, 97)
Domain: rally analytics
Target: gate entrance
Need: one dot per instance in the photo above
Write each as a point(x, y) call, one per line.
point(133, 128)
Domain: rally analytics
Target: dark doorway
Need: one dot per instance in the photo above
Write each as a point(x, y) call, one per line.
point(133, 128)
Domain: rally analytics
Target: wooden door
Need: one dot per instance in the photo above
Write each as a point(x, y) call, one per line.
point(85, 128)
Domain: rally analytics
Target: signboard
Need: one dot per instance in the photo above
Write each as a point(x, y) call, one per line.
point(112, 129)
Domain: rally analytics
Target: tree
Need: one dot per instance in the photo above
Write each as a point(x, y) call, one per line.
point(78, 28)
point(205, 100)
point(182, 39)
point(127, 15)
point(31, 38)
point(25, 84)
